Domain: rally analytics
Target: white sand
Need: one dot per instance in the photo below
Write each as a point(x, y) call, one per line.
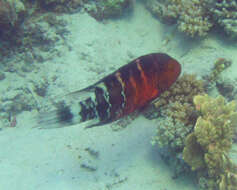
point(51, 159)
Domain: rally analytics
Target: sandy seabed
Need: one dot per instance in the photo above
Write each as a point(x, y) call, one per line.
point(99, 158)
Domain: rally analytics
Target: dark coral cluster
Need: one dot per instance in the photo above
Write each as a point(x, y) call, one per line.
point(102, 9)
point(99, 9)
point(191, 16)
point(11, 16)
point(18, 16)
point(60, 6)
point(215, 79)
point(224, 15)
point(197, 17)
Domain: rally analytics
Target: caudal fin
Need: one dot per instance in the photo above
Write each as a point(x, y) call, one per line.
point(70, 109)
point(62, 116)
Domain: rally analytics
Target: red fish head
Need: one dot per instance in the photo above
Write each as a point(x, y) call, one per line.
point(170, 70)
point(173, 69)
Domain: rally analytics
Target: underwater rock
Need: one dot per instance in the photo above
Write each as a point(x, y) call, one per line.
point(88, 165)
point(40, 39)
point(13, 102)
point(226, 88)
point(11, 15)
point(61, 6)
point(41, 87)
point(107, 8)
point(93, 153)
point(39, 34)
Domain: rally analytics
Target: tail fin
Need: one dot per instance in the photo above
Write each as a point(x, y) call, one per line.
point(75, 107)
point(62, 116)
point(66, 111)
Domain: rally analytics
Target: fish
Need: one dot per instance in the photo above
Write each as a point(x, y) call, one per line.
point(131, 87)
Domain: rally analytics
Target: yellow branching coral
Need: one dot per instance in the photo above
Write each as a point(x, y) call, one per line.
point(228, 180)
point(209, 144)
point(193, 153)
